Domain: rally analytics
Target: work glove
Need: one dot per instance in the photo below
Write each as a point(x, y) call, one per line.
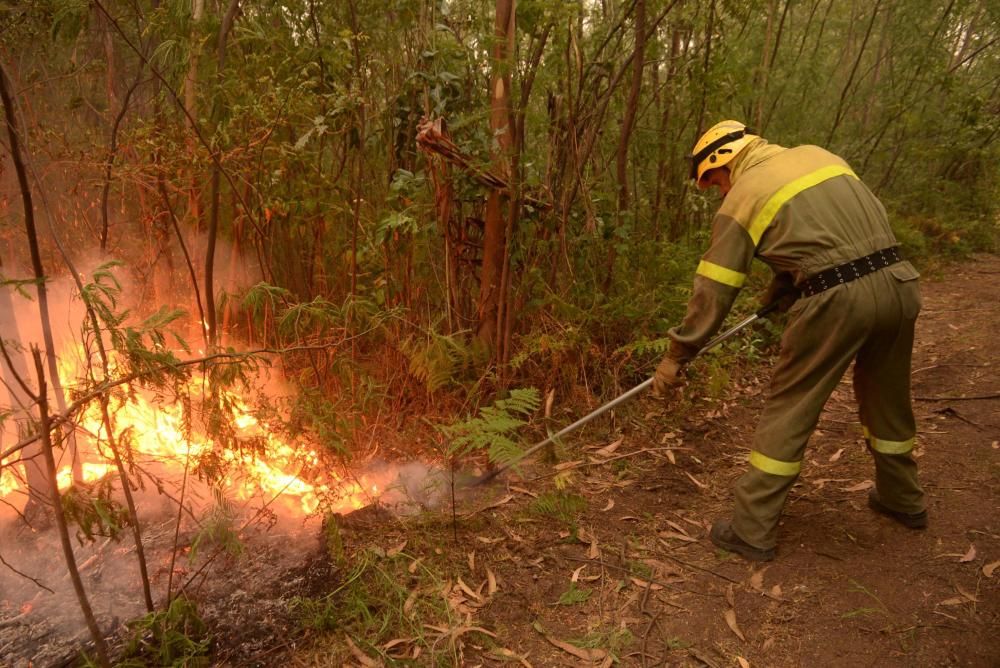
point(667, 376)
point(783, 291)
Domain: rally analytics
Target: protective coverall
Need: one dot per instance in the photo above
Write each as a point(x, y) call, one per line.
point(803, 210)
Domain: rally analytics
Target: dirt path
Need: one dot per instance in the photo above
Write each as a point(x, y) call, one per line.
point(849, 588)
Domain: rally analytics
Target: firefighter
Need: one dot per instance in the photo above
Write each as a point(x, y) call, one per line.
point(850, 297)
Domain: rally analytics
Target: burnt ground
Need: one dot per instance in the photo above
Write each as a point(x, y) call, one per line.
point(605, 558)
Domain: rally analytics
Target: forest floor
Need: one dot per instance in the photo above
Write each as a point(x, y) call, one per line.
point(605, 557)
point(628, 574)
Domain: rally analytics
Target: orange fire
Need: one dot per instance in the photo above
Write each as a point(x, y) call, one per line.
point(158, 435)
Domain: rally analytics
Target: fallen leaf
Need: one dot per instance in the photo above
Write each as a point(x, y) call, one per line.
point(410, 602)
point(757, 579)
point(412, 568)
point(970, 555)
point(731, 622)
point(495, 504)
point(472, 561)
point(672, 457)
point(642, 584)
point(696, 481)
point(549, 399)
point(393, 551)
point(593, 552)
point(462, 630)
point(630, 518)
point(576, 574)
point(860, 487)
point(958, 600)
point(567, 465)
point(743, 662)
point(768, 644)
point(678, 536)
point(491, 582)
point(505, 653)
point(488, 541)
point(730, 596)
point(611, 504)
point(362, 658)
point(775, 592)
point(610, 448)
point(396, 642)
point(835, 456)
point(522, 490)
point(675, 525)
point(591, 655)
point(966, 594)
point(989, 568)
point(468, 590)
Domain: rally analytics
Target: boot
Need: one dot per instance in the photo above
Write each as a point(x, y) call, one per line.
point(908, 520)
point(723, 536)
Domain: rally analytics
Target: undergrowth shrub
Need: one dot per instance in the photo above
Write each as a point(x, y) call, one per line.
point(493, 429)
point(175, 637)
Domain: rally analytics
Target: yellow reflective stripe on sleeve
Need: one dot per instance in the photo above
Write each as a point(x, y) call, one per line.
point(774, 466)
point(720, 274)
point(787, 192)
point(887, 447)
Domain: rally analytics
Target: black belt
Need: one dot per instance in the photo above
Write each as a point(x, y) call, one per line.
point(850, 271)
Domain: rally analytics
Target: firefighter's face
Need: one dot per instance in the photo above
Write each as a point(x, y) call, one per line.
point(716, 177)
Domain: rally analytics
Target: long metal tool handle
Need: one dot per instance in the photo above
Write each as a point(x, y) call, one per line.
point(742, 324)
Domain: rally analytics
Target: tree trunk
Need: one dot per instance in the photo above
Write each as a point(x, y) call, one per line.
point(36, 258)
point(50, 462)
point(191, 107)
point(628, 123)
point(216, 178)
point(14, 372)
point(494, 234)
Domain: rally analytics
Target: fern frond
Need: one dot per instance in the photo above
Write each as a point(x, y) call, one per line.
point(436, 359)
point(645, 347)
point(493, 428)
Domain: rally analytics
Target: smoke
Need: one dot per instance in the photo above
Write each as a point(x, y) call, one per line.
point(34, 579)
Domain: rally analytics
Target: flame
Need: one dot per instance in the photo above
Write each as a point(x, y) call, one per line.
point(157, 434)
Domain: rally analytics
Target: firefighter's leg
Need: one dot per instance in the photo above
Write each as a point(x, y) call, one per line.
point(882, 388)
point(816, 350)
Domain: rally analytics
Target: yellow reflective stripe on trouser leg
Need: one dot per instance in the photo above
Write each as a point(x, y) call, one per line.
point(774, 466)
point(787, 192)
point(887, 447)
point(720, 274)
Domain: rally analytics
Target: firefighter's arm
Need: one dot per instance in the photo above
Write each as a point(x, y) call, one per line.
point(718, 279)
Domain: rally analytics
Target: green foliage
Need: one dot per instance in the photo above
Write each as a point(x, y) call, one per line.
point(140, 350)
point(436, 360)
point(878, 609)
point(94, 512)
point(377, 600)
point(494, 427)
point(218, 528)
point(175, 637)
point(574, 595)
point(560, 505)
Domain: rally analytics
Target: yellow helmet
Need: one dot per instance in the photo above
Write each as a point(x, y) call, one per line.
point(718, 146)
